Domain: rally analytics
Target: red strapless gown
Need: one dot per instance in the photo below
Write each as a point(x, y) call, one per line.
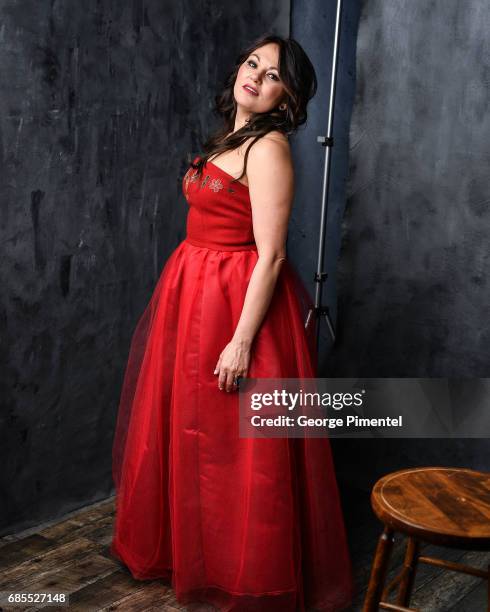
point(244, 524)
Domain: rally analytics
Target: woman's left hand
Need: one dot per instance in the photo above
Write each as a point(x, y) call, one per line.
point(233, 362)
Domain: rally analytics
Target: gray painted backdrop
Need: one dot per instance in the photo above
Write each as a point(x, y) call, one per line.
point(100, 102)
point(100, 105)
point(413, 269)
point(413, 290)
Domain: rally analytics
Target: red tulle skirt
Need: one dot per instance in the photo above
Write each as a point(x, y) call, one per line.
point(243, 524)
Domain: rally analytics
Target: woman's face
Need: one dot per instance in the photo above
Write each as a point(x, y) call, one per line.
point(260, 71)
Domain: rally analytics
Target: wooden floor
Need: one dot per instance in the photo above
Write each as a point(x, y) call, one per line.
point(72, 556)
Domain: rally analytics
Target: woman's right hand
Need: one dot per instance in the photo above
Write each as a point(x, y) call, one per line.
point(232, 363)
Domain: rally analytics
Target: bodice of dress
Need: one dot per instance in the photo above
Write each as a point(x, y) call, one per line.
point(220, 215)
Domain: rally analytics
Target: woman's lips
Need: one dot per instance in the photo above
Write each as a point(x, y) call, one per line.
point(250, 90)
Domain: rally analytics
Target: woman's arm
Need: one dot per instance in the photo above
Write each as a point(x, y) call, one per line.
point(271, 185)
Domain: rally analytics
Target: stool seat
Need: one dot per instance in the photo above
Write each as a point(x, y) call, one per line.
point(438, 505)
point(444, 506)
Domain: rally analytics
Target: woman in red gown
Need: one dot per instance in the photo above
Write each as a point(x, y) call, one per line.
point(245, 524)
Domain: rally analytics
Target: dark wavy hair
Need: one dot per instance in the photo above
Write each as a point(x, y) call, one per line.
point(300, 84)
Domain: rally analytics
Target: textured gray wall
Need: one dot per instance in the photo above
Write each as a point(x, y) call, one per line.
point(413, 265)
point(414, 298)
point(99, 102)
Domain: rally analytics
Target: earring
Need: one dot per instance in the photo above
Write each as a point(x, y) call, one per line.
point(283, 107)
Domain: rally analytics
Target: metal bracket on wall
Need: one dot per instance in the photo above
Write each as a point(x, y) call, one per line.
point(327, 141)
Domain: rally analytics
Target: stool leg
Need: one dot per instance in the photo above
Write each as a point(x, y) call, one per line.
point(378, 571)
point(409, 569)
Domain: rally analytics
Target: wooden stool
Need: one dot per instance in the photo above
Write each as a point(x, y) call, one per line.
point(436, 505)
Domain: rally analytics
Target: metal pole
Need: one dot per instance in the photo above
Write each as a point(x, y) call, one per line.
point(327, 141)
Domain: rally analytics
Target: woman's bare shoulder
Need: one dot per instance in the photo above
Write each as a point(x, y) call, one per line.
point(273, 143)
point(277, 136)
point(270, 164)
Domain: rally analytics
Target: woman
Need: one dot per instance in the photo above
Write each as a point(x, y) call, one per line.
point(242, 523)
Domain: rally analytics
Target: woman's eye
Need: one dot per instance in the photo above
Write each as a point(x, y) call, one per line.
point(274, 77)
